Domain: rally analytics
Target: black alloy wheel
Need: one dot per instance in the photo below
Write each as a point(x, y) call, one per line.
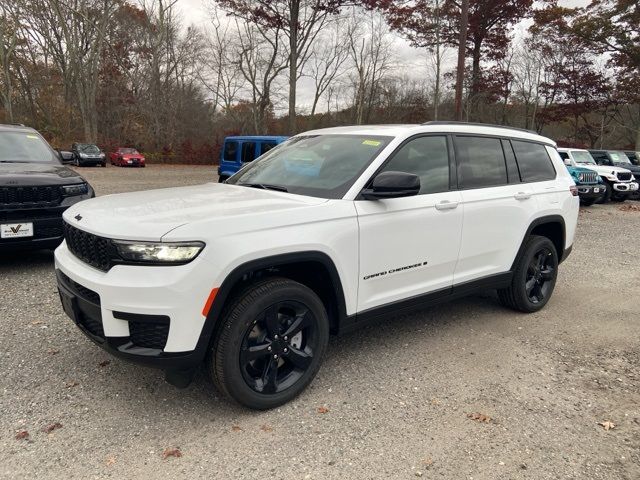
point(540, 274)
point(270, 343)
point(278, 347)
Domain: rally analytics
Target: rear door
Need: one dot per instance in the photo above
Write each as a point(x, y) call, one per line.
point(409, 246)
point(537, 170)
point(497, 206)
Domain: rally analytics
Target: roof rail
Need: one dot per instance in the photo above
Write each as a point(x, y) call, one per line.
point(478, 124)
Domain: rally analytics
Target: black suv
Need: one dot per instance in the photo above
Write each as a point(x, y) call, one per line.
point(35, 188)
point(86, 154)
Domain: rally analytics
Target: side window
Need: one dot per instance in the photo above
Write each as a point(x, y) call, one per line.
point(266, 146)
point(564, 155)
point(230, 151)
point(533, 161)
point(427, 157)
point(481, 162)
point(248, 152)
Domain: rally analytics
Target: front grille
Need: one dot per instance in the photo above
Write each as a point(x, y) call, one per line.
point(92, 249)
point(589, 177)
point(84, 292)
point(148, 335)
point(33, 197)
point(624, 176)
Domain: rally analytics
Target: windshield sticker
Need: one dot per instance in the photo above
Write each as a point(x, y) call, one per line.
point(372, 143)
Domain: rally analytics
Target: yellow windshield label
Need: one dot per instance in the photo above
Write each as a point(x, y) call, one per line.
point(373, 143)
point(32, 136)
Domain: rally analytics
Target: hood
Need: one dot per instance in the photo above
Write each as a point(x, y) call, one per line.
point(35, 174)
point(603, 169)
point(628, 166)
point(151, 214)
point(578, 170)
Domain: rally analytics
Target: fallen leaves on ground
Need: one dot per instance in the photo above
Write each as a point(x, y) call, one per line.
point(480, 417)
point(22, 435)
point(323, 410)
point(266, 428)
point(629, 207)
point(71, 384)
point(104, 363)
point(52, 427)
point(171, 452)
point(428, 462)
point(53, 351)
point(236, 428)
point(607, 425)
point(111, 459)
point(37, 322)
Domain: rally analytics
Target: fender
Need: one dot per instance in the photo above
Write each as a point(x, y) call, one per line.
point(260, 264)
point(542, 221)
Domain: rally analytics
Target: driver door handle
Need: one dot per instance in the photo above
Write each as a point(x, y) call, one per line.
point(446, 205)
point(522, 196)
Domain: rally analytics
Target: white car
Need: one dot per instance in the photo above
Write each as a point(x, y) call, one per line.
point(330, 231)
point(620, 181)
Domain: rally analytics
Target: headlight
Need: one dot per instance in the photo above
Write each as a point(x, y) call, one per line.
point(152, 252)
point(79, 189)
point(83, 155)
point(102, 155)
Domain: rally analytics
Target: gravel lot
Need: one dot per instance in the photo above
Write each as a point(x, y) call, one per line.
point(397, 396)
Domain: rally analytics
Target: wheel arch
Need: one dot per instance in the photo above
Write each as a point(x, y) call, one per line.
point(314, 269)
point(551, 226)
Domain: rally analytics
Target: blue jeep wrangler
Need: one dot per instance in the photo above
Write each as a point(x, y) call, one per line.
point(238, 151)
point(590, 186)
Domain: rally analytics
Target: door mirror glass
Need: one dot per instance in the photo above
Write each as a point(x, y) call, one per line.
point(392, 185)
point(65, 156)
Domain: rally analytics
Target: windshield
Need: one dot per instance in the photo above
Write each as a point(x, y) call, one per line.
point(619, 157)
point(25, 147)
point(320, 165)
point(128, 150)
point(581, 156)
point(88, 148)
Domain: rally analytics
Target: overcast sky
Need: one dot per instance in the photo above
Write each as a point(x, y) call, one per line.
point(413, 60)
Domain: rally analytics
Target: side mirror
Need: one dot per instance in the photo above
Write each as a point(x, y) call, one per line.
point(567, 162)
point(65, 156)
point(392, 185)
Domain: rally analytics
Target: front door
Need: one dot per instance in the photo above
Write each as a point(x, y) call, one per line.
point(409, 246)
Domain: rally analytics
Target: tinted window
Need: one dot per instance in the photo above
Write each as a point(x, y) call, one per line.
point(230, 151)
point(480, 162)
point(248, 152)
point(534, 162)
point(426, 157)
point(266, 146)
point(512, 167)
point(564, 155)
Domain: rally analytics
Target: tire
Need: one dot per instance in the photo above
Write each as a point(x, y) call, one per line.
point(529, 268)
point(618, 198)
point(606, 198)
point(588, 202)
point(253, 360)
point(222, 178)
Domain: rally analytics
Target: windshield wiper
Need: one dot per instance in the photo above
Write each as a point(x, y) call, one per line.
point(265, 186)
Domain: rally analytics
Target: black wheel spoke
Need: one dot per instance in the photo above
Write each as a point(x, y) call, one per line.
point(537, 292)
point(270, 376)
point(253, 353)
point(547, 274)
point(299, 358)
point(300, 323)
point(531, 283)
point(271, 321)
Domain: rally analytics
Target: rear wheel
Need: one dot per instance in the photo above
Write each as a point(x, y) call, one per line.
point(270, 345)
point(606, 198)
point(534, 277)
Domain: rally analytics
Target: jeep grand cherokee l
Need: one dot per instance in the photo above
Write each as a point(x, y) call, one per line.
point(35, 188)
point(330, 231)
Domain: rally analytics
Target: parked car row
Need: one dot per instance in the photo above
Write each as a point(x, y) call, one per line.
point(601, 175)
point(90, 155)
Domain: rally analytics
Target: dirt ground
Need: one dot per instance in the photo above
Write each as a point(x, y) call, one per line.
point(396, 400)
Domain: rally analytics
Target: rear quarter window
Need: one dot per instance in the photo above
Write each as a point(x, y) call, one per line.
point(534, 161)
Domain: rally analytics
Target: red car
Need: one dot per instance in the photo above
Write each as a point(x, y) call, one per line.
point(126, 157)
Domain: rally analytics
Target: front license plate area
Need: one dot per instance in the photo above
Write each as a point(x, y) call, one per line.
point(69, 303)
point(16, 230)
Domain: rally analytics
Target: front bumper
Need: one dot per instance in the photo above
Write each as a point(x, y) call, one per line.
point(47, 230)
point(145, 314)
point(591, 191)
point(626, 187)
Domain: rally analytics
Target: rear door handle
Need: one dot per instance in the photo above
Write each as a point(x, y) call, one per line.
point(522, 196)
point(446, 205)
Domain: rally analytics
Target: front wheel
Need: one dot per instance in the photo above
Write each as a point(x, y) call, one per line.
point(534, 277)
point(587, 202)
point(270, 345)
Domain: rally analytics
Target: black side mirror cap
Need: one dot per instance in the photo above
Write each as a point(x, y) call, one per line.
point(392, 185)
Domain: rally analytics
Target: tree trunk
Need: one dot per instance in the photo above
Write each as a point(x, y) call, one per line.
point(293, 63)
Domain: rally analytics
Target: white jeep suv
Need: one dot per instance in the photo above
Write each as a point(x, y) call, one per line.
point(327, 232)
